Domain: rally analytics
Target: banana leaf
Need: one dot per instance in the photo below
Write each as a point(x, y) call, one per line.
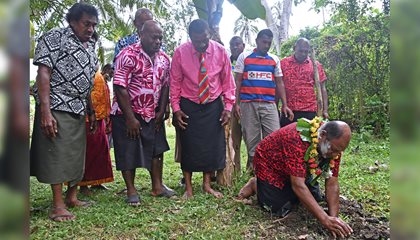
point(251, 9)
point(201, 8)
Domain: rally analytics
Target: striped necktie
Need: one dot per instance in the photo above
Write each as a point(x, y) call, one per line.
point(203, 86)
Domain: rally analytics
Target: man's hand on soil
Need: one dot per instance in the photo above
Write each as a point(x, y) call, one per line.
point(337, 227)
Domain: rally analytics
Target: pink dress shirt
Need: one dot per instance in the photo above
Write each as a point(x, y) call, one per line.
point(184, 75)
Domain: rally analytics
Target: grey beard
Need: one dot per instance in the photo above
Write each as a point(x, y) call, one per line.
point(323, 147)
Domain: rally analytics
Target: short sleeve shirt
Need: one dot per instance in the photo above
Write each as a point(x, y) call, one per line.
point(125, 42)
point(241, 62)
point(73, 68)
point(281, 155)
point(143, 79)
point(299, 81)
point(259, 72)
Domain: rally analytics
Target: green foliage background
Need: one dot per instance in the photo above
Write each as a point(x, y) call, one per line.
point(354, 48)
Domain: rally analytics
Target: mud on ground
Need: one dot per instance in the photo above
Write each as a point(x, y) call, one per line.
point(300, 224)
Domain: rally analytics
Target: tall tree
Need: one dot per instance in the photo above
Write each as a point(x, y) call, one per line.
point(246, 29)
point(354, 48)
point(271, 24)
point(284, 22)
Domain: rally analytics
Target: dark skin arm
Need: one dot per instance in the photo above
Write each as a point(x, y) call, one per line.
point(332, 193)
point(181, 119)
point(91, 116)
point(108, 125)
point(167, 112)
point(225, 117)
point(163, 102)
point(48, 122)
point(132, 124)
point(335, 225)
point(324, 101)
point(238, 82)
point(282, 95)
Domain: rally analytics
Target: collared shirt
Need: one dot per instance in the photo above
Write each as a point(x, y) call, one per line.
point(100, 97)
point(259, 72)
point(184, 75)
point(281, 155)
point(143, 79)
point(73, 67)
point(125, 42)
point(299, 83)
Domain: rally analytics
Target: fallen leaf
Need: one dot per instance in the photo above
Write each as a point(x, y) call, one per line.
point(373, 169)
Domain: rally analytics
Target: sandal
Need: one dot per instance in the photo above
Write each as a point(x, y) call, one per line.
point(166, 192)
point(133, 200)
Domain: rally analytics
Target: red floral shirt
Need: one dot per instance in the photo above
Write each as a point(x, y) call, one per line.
point(143, 79)
point(299, 83)
point(281, 155)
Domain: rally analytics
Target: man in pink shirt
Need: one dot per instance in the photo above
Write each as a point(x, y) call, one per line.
point(202, 93)
point(141, 88)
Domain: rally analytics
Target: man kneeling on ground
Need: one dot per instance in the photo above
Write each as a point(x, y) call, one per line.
point(283, 170)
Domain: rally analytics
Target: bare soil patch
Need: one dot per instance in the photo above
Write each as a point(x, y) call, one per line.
point(300, 224)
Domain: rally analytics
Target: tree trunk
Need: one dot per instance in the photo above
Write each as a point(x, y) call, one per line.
point(225, 176)
point(271, 24)
point(285, 20)
point(214, 10)
point(317, 84)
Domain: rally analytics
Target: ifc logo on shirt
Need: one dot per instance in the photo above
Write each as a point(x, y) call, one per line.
point(257, 75)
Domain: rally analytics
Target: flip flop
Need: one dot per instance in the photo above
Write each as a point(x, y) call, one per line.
point(55, 217)
point(133, 200)
point(167, 192)
point(124, 191)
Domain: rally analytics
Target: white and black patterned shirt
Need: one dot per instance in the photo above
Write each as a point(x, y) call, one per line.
point(73, 69)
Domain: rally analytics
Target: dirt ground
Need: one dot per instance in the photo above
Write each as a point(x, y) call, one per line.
point(300, 224)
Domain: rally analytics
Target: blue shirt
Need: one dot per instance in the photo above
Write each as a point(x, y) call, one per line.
point(125, 42)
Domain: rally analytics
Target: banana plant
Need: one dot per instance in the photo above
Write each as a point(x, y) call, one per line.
point(212, 11)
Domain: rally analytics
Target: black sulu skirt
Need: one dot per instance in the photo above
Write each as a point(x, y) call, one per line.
point(203, 141)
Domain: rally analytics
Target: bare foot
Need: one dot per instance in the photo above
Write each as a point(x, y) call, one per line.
point(78, 203)
point(58, 214)
point(187, 195)
point(213, 192)
point(85, 191)
point(247, 190)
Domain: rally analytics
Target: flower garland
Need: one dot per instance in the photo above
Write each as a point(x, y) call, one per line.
point(309, 133)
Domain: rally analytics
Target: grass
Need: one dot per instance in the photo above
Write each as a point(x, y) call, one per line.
point(203, 217)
